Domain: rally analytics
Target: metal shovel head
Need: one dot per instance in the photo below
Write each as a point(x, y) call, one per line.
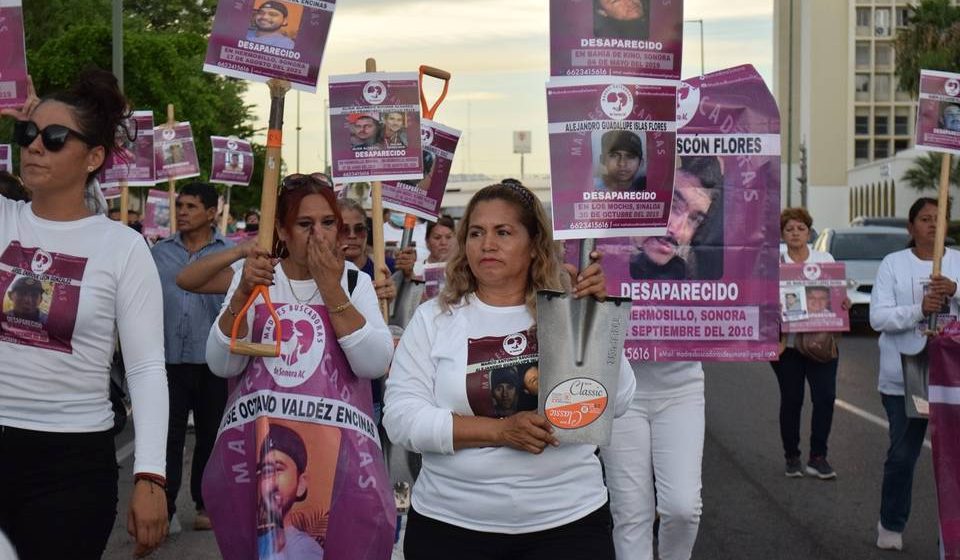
point(409, 294)
point(581, 346)
point(916, 384)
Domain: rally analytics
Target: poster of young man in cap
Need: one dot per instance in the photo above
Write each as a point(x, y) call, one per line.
point(707, 289)
point(175, 152)
point(422, 198)
point(6, 158)
point(612, 148)
point(156, 214)
point(938, 112)
point(264, 39)
point(13, 55)
point(135, 162)
point(232, 162)
point(359, 104)
point(638, 38)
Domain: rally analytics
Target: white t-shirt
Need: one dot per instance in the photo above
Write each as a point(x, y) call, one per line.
point(659, 380)
point(368, 349)
point(437, 371)
point(896, 310)
point(97, 279)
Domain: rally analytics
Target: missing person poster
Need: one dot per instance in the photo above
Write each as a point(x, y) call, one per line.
point(422, 198)
point(232, 162)
point(938, 112)
point(297, 470)
point(175, 152)
point(638, 38)
point(265, 39)
point(708, 288)
point(811, 298)
point(6, 158)
point(134, 164)
point(156, 214)
point(375, 127)
point(13, 55)
point(612, 153)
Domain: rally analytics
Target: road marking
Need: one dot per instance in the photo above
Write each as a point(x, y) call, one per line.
point(872, 418)
point(124, 452)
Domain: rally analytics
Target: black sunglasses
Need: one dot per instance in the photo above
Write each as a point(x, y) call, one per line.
point(356, 229)
point(298, 180)
point(54, 136)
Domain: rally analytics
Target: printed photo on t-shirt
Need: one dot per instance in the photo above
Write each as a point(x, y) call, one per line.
point(502, 374)
point(944, 316)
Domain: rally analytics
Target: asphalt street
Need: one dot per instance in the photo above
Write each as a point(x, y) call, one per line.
point(751, 511)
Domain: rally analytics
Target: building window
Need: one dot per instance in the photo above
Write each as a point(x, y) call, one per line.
point(901, 124)
point(863, 21)
point(881, 149)
point(881, 125)
point(881, 22)
point(861, 151)
point(884, 55)
point(881, 87)
point(863, 54)
point(862, 87)
point(861, 124)
point(900, 145)
point(903, 16)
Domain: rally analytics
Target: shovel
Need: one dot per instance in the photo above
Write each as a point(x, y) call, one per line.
point(581, 347)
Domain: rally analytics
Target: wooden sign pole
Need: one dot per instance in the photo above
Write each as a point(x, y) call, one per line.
point(171, 182)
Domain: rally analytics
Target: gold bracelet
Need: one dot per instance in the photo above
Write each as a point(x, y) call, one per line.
point(342, 307)
point(230, 309)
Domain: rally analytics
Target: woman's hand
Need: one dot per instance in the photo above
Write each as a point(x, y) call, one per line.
point(386, 288)
point(257, 271)
point(526, 431)
point(147, 520)
point(325, 263)
point(405, 260)
point(943, 286)
point(23, 113)
point(932, 302)
point(591, 281)
point(846, 305)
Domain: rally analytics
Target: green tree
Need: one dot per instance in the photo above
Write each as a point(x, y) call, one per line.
point(931, 41)
point(925, 172)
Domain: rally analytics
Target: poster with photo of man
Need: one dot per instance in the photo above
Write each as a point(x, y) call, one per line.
point(232, 162)
point(135, 163)
point(265, 39)
point(708, 287)
point(156, 214)
point(13, 55)
point(612, 156)
point(175, 153)
point(6, 158)
point(812, 296)
point(422, 198)
point(375, 127)
point(636, 38)
point(938, 112)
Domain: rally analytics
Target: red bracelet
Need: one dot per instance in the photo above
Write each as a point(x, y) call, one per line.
point(160, 481)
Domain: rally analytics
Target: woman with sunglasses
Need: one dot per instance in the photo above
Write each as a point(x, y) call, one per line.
point(333, 340)
point(88, 277)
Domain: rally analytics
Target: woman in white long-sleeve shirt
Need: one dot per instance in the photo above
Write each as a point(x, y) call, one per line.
point(904, 295)
point(494, 482)
point(69, 279)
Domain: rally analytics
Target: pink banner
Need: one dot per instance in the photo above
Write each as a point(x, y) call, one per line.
point(135, 162)
point(232, 162)
point(175, 152)
point(938, 112)
point(265, 39)
point(375, 127)
point(944, 393)
point(422, 198)
point(6, 158)
point(156, 214)
point(811, 298)
point(13, 55)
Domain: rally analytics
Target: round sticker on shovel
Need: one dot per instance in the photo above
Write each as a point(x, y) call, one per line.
point(575, 403)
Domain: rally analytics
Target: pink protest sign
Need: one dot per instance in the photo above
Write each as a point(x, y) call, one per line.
point(944, 394)
point(938, 112)
point(156, 214)
point(435, 278)
point(422, 198)
point(811, 298)
point(175, 152)
point(112, 193)
point(270, 39)
point(640, 38)
point(707, 290)
point(135, 162)
point(612, 153)
point(375, 127)
point(13, 55)
point(232, 161)
point(6, 158)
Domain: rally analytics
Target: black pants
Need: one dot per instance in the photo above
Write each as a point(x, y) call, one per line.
point(793, 370)
point(192, 387)
point(589, 538)
point(58, 492)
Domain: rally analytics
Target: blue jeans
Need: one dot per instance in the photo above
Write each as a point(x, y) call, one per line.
point(906, 441)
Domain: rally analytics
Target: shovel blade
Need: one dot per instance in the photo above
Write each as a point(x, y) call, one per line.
point(581, 349)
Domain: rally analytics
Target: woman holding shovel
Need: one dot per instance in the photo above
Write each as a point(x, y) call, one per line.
point(494, 487)
point(75, 278)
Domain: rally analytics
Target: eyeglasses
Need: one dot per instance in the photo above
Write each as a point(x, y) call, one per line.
point(54, 136)
point(356, 229)
point(298, 180)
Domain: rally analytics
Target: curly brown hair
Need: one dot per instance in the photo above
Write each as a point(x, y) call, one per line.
point(545, 271)
point(798, 214)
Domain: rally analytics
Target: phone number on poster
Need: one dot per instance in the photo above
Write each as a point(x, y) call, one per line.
point(590, 225)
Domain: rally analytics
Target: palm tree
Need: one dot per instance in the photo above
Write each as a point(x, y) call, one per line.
point(925, 172)
point(931, 41)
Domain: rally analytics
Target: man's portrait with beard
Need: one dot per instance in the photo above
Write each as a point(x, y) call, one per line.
point(621, 19)
point(692, 248)
point(26, 296)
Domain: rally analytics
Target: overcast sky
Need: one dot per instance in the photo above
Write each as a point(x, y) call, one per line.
point(497, 53)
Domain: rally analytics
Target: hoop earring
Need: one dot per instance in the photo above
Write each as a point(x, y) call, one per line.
point(280, 250)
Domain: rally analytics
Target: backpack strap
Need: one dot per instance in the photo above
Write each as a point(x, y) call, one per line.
point(352, 276)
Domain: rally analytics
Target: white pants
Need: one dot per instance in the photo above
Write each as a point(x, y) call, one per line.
point(656, 445)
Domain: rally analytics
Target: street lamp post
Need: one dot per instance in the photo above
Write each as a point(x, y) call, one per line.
point(700, 22)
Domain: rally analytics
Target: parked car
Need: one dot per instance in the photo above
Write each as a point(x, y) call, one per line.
point(889, 221)
point(861, 249)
